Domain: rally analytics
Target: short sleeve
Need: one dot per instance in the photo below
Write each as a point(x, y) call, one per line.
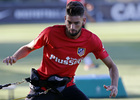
point(98, 50)
point(42, 38)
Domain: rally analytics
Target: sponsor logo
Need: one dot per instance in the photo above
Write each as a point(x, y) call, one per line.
point(67, 61)
point(81, 51)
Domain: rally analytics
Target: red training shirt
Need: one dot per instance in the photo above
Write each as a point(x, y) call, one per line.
point(62, 55)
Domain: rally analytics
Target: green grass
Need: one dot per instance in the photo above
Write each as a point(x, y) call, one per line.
point(121, 40)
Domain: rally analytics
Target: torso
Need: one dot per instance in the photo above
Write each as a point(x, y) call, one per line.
point(61, 54)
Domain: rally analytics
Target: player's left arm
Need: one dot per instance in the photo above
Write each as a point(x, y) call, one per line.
point(114, 75)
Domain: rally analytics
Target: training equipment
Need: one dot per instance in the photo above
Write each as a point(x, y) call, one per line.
point(92, 86)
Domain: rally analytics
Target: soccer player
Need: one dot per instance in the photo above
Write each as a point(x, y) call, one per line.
point(65, 46)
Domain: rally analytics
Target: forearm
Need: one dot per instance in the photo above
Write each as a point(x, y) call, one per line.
point(22, 52)
point(114, 75)
point(113, 70)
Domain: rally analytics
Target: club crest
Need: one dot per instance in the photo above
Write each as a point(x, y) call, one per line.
point(81, 51)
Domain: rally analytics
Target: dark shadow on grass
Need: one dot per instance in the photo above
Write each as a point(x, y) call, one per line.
point(11, 77)
point(134, 96)
point(118, 50)
point(7, 49)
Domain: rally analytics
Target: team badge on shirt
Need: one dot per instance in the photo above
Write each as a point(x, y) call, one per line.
point(81, 51)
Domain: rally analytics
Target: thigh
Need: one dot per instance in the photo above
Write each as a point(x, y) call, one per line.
point(49, 96)
point(73, 93)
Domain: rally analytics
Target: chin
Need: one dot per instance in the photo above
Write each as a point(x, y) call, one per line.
point(73, 34)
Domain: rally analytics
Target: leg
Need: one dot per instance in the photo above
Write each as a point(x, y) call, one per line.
point(49, 96)
point(73, 93)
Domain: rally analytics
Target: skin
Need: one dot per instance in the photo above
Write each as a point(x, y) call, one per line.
point(73, 25)
point(114, 75)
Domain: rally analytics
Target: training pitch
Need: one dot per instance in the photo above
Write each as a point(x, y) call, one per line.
point(121, 40)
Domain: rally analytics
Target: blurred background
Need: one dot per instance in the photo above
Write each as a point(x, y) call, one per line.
point(27, 11)
point(116, 22)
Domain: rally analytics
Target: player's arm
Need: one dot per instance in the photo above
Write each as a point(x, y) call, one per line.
point(114, 75)
point(20, 53)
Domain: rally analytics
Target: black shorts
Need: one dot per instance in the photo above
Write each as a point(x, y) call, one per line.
point(69, 93)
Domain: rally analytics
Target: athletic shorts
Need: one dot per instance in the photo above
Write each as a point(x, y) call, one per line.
point(69, 93)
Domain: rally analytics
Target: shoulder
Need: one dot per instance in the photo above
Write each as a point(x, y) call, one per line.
point(60, 27)
point(53, 29)
point(93, 40)
point(89, 35)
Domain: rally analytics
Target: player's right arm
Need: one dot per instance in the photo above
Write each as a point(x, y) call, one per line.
point(20, 53)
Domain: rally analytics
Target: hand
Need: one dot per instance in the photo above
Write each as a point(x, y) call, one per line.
point(10, 60)
point(113, 89)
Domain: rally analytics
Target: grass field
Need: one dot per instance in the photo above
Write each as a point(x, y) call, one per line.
point(121, 40)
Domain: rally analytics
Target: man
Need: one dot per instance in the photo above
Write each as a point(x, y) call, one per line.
point(64, 48)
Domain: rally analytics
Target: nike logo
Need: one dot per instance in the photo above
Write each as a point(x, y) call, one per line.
point(4, 14)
